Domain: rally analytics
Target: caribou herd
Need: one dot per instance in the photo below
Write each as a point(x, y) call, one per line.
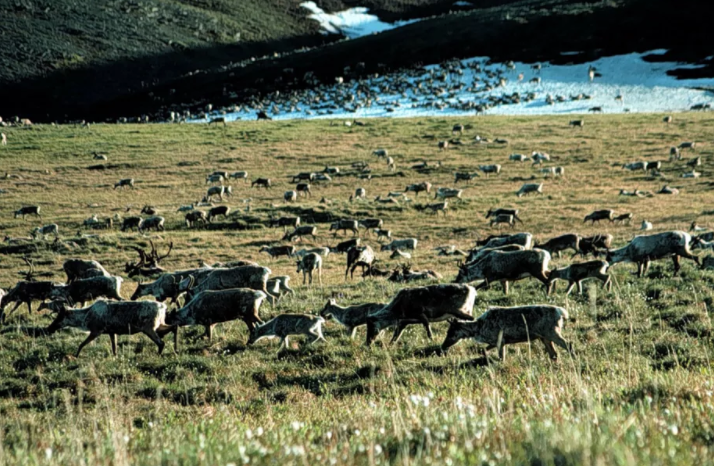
point(225, 292)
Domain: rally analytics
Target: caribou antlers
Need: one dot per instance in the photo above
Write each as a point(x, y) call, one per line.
point(30, 275)
point(149, 210)
point(148, 264)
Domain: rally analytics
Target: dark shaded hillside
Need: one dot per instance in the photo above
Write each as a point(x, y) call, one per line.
point(75, 53)
point(84, 51)
point(51, 35)
point(155, 76)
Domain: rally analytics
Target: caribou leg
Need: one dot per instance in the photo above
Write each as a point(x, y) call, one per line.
point(550, 349)
point(425, 321)
point(677, 265)
point(92, 336)
point(151, 333)
point(113, 339)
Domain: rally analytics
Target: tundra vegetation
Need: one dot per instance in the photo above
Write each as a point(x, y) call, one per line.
point(638, 389)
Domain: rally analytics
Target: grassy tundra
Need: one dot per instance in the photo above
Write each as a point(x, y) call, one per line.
point(639, 390)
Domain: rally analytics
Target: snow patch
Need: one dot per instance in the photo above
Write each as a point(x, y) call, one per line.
point(352, 23)
point(627, 83)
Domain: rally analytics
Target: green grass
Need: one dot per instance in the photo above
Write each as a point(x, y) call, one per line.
point(638, 392)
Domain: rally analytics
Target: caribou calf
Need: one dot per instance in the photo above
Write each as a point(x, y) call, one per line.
point(285, 325)
point(594, 244)
point(219, 191)
point(529, 188)
point(370, 223)
point(576, 273)
point(381, 233)
point(350, 316)
point(419, 188)
point(279, 286)
point(623, 218)
point(463, 176)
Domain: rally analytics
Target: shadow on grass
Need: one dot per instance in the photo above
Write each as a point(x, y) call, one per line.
point(29, 330)
point(429, 351)
point(471, 364)
point(335, 384)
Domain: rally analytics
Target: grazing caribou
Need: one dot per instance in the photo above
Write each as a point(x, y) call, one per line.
point(496, 212)
point(248, 276)
point(422, 305)
point(561, 243)
point(209, 308)
point(644, 249)
point(116, 318)
point(88, 289)
point(299, 232)
point(359, 256)
point(220, 210)
point(28, 210)
point(345, 225)
point(277, 251)
point(308, 264)
point(506, 267)
point(500, 326)
point(79, 268)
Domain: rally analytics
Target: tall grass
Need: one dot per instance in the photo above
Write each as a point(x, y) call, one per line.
point(639, 390)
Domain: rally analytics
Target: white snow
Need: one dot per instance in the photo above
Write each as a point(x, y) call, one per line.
point(644, 87)
point(355, 22)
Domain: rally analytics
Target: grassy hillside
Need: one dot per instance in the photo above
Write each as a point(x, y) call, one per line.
point(639, 390)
